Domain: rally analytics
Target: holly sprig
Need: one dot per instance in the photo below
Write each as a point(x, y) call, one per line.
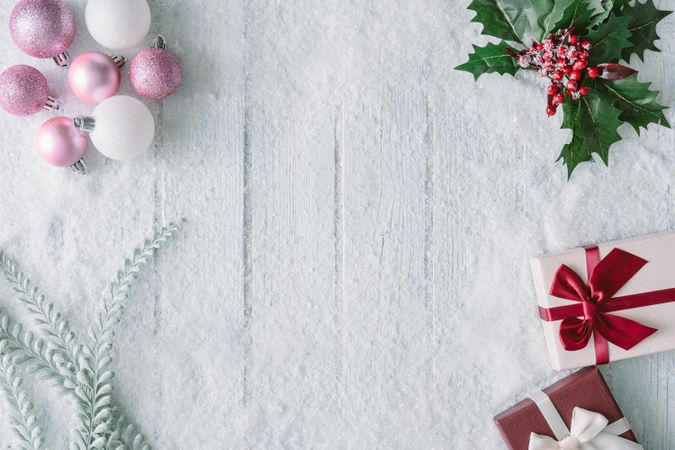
point(603, 100)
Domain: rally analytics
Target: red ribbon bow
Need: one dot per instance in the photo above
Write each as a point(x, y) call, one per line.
point(590, 317)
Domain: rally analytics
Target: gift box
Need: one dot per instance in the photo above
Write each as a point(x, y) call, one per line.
point(607, 302)
point(578, 409)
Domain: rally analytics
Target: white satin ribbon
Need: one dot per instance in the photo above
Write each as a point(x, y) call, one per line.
point(590, 430)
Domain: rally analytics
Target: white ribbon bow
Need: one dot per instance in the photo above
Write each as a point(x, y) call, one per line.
point(589, 430)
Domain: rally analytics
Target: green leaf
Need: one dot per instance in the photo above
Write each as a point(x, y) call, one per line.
point(599, 120)
point(637, 103)
point(593, 120)
point(577, 13)
point(554, 16)
point(618, 4)
point(489, 59)
point(539, 16)
point(504, 19)
point(575, 152)
point(607, 8)
point(643, 20)
point(609, 40)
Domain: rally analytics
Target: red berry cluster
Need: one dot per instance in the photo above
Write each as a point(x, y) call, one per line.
point(564, 60)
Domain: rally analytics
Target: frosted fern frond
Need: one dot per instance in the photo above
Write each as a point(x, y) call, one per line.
point(45, 315)
point(125, 436)
point(95, 378)
point(38, 356)
point(23, 421)
point(79, 370)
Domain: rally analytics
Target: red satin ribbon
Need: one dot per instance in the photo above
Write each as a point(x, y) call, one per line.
point(596, 299)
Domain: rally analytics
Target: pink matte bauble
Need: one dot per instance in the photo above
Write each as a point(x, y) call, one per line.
point(60, 143)
point(42, 28)
point(93, 77)
point(23, 90)
point(155, 73)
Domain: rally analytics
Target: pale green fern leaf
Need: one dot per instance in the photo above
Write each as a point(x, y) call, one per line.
point(45, 315)
point(96, 414)
point(21, 416)
point(38, 356)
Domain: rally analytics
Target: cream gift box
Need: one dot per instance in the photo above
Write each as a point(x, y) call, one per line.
point(607, 302)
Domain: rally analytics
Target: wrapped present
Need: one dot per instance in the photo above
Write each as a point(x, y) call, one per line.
point(607, 302)
point(576, 413)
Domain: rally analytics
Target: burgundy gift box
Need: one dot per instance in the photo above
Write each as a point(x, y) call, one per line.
point(584, 389)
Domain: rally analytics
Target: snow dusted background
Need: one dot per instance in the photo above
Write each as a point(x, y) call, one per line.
point(354, 269)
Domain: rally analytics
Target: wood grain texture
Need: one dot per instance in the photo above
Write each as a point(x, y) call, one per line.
point(353, 271)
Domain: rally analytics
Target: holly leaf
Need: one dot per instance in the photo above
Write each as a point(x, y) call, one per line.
point(575, 152)
point(607, 8)
point(555, 16)
point(489, 59)
point(539, 12)
point(643, 20)
point(637, 103)
point(618, 4)
point(504, 19)
point(599, 120)
point(577, 13)
point(609, 40)
point(593, 120)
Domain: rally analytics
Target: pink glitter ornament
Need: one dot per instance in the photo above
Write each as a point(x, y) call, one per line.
point(24, 91)
point(43, 28)
point(155, 73)
point(93, 76)
point(61, 144)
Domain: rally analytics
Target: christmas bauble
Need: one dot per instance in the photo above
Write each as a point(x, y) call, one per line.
point(155, 73)
point(93, 77)
point(42, 28)
point(24, 91)
point(118, 24)
point(124, 128)
point(60, 143)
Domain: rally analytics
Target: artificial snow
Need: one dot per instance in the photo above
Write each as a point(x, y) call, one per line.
point(354, 269)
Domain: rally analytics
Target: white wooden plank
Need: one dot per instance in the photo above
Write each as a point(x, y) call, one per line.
point(353, 272)
point(290, 387)
point(644, 387)
point(197, 318)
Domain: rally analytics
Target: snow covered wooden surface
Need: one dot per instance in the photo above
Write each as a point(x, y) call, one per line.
point(354, 269)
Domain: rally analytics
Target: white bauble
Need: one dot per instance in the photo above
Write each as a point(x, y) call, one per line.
point(118, 24)
point(124, 128)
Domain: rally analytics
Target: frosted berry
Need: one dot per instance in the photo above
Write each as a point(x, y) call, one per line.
point(524, 60)
point(561, 58)
point(594, 72)
point(580, 65)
